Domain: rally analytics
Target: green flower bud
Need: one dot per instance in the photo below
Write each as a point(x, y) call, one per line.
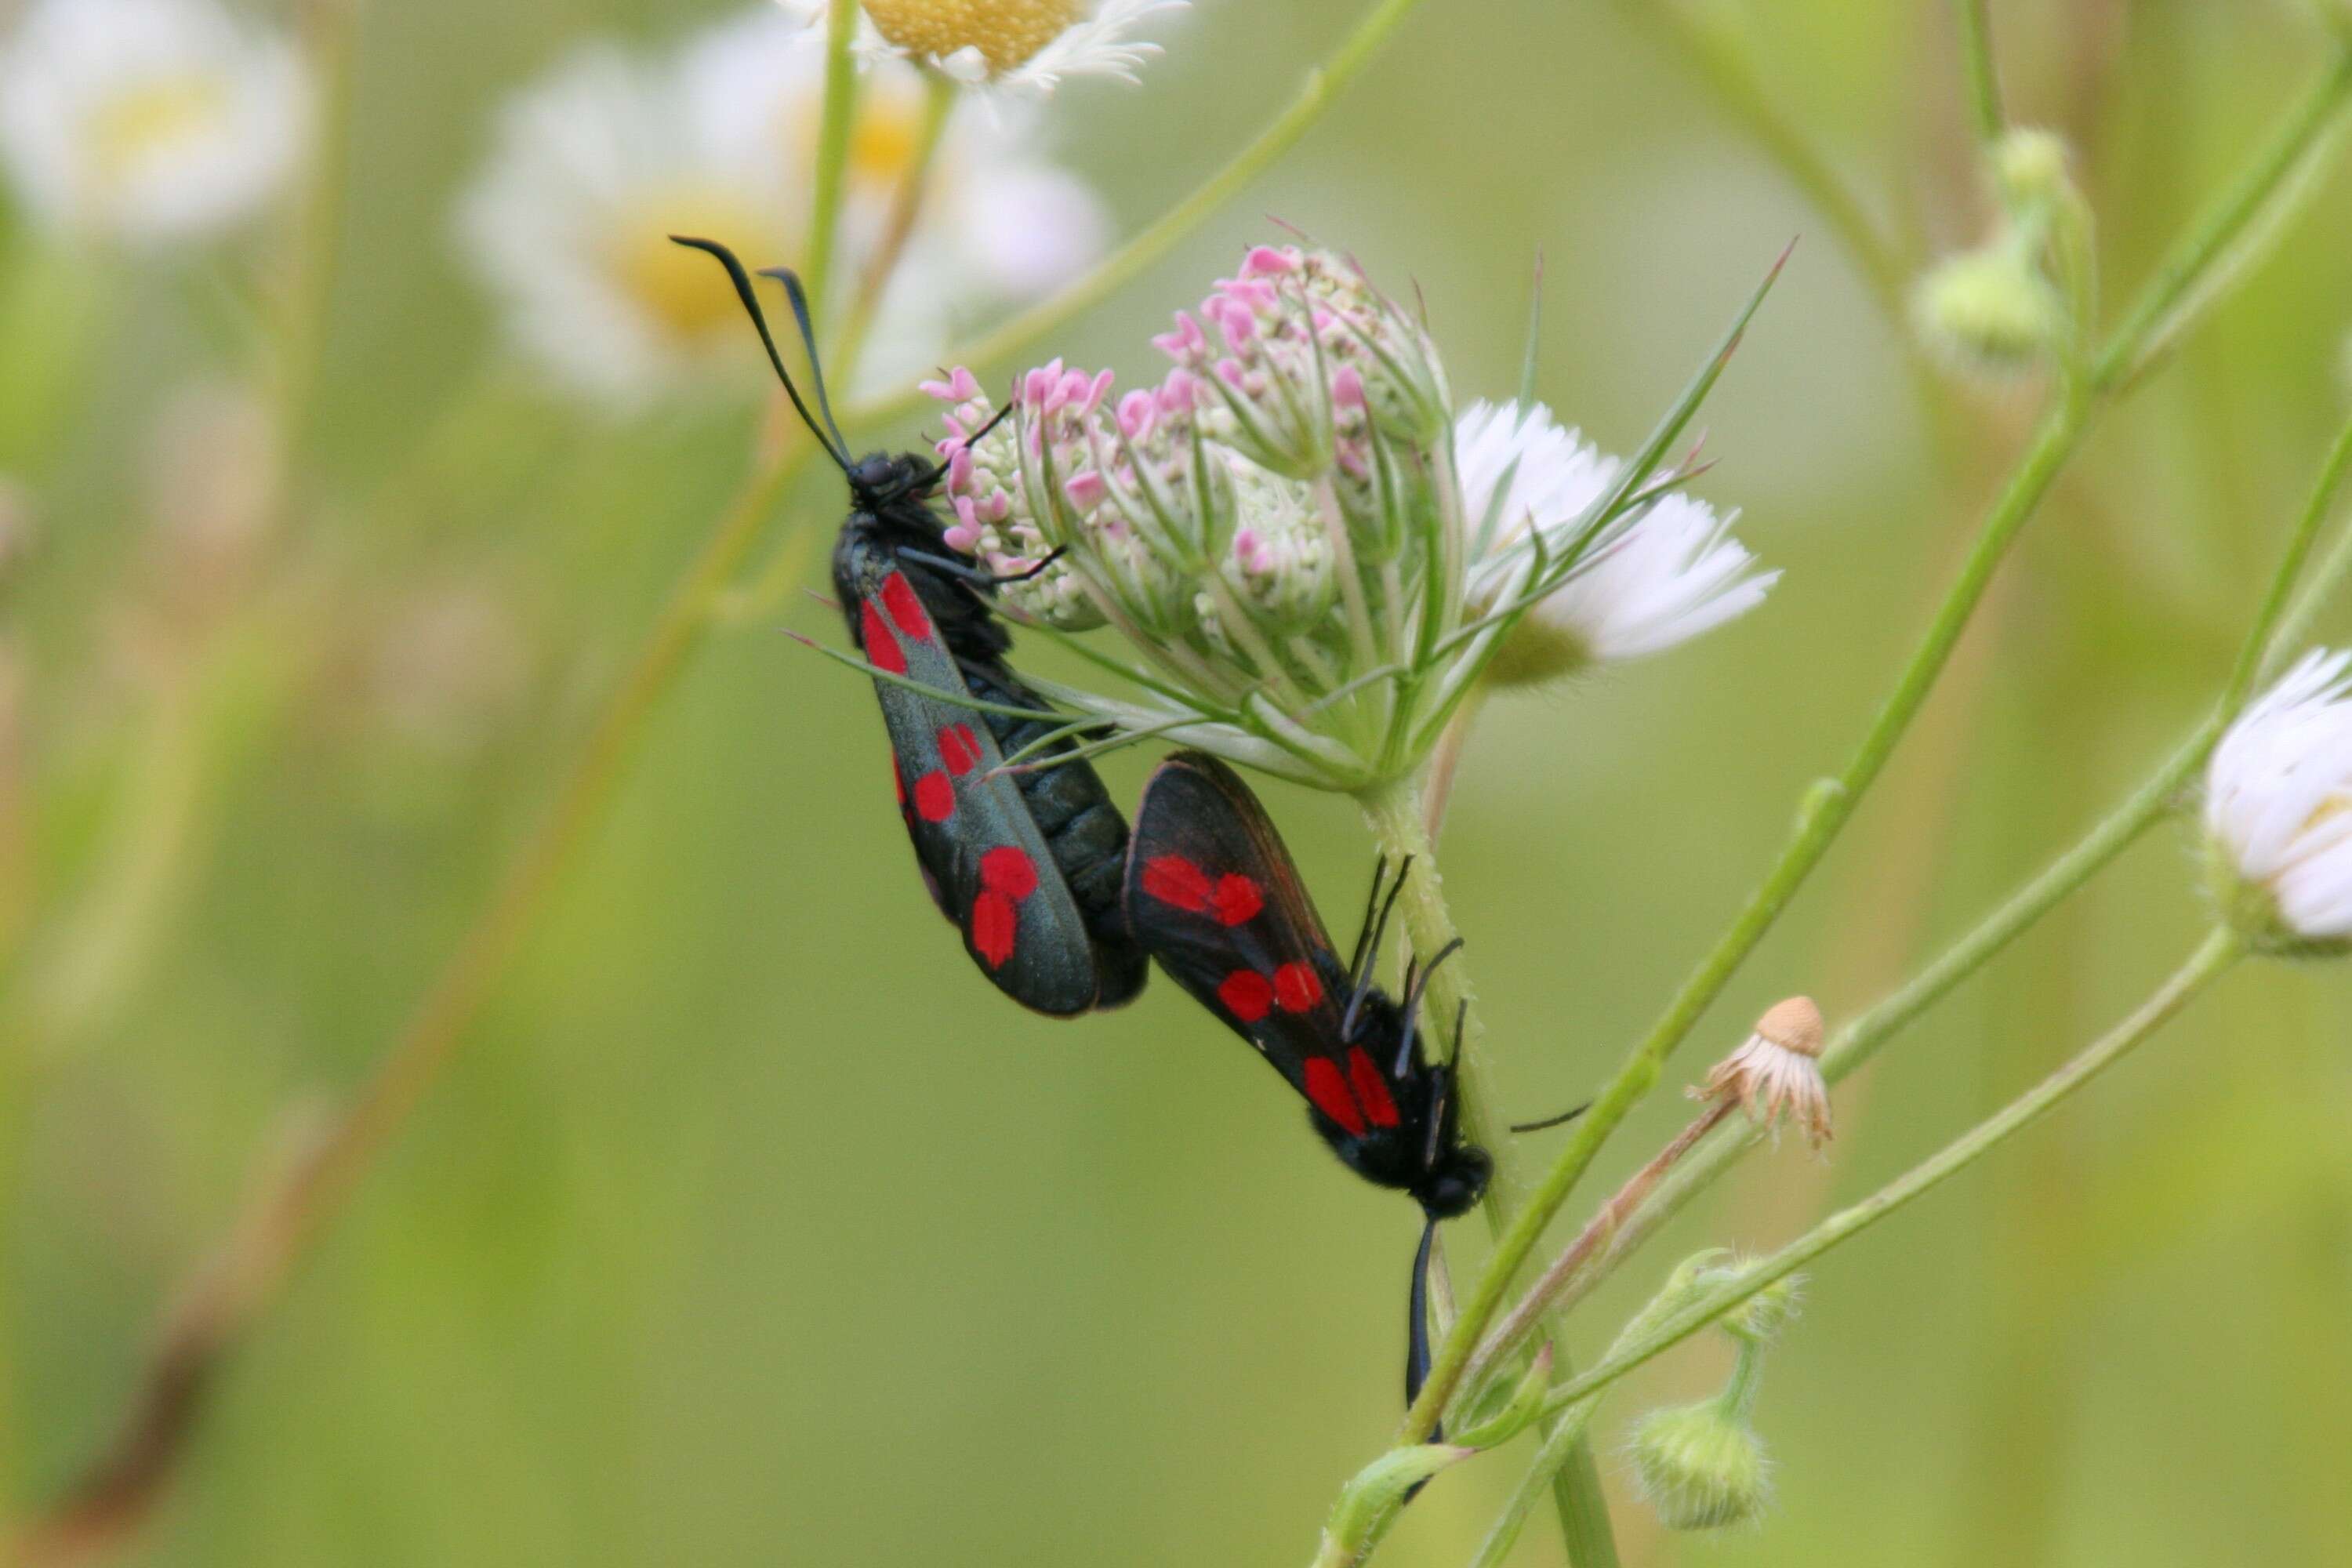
point(1701, 1466)
point(1992, 310)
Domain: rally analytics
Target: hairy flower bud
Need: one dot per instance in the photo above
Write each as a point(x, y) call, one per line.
point(1701, 1466)
point(1992, 310)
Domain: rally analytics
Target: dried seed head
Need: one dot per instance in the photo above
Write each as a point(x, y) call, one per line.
point(1777, 1071)
point(1793, 1025)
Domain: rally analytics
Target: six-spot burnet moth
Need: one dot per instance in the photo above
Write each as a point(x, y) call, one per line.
point(1026, 863)
point(1036, 869)
point(1213, 894)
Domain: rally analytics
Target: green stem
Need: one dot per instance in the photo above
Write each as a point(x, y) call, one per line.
point(1981, 71)
point(2213, 958)
point(840, 119)
point(431, 1039)
point(1561, 1445)
point(1831, 803)
point(2276, 629)
point(1395, 814)
point(2210, 254)
point(1322, 85)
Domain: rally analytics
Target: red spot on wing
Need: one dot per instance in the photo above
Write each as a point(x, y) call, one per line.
point(1328, 1092)
point(958, 748)
point(1298, 988)
point(1235, 900)
point(1007, 870)
point(1371, 1089)
point(1172, 879)
point(934, 796)
point(1247, 994)
point(906, 608)
point(881, 647)
point(994, 922)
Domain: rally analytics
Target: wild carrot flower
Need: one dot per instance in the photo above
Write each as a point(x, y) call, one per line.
point(1668, 574)
point(1286, 527)
point(609, 153)
point(1778, 1072)
point(2278, 812)
point(1023, 45)
point(148, 120)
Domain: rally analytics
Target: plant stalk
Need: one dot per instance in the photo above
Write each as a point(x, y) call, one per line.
point(2213, 957)
point(1396, 815)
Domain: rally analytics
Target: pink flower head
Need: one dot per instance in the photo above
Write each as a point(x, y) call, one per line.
point(1347, 387)
point(1266, 261)
point(1250, 293)
point(961, 386)
point(1186, 343)
point(1086, 490)
point(1135, 412)
point(1249, 549)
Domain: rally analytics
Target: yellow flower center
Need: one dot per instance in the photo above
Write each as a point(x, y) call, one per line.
point(681, 289)
point(132, 126)
point(1006, 32)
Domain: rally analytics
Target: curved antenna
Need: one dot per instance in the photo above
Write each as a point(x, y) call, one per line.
point(1443, 1091)
point(1562, 1119)
point(835, 448)
point(1416, 1335)
point(1367, 950)
point(1364, 927)
point(1413, 990)
point(799, 297)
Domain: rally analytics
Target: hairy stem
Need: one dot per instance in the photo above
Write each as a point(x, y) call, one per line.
point(2213, 958)
point(1832, 802)
point(1397, 816)
point(2276, 630)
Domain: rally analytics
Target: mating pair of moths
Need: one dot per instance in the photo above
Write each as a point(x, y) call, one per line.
point(1058, 909)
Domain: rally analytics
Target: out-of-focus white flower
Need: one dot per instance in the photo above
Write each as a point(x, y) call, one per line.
point(148, 120)
point(607, 156)
point(2278, 811)
point(1668, 574)
point(1026, 46)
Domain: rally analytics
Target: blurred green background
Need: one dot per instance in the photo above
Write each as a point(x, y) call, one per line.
point(751, 1226)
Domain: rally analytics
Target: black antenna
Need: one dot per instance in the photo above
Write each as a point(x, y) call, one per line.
point(1562, 1119)
point(1364, 928)
point(1444, 1089)
point(1367, 950)
point(799, 297)
point(836, 449)
point(1413, 990)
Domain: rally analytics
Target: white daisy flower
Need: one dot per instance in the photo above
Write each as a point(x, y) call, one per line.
point(1024, 46)
point(1777, 1071)
point(2278, 809)
point(1671, 574)
point(148, 120)
point(597, 164)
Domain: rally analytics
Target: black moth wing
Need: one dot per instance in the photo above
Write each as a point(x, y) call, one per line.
point(988, 864)
point(1213, 894)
